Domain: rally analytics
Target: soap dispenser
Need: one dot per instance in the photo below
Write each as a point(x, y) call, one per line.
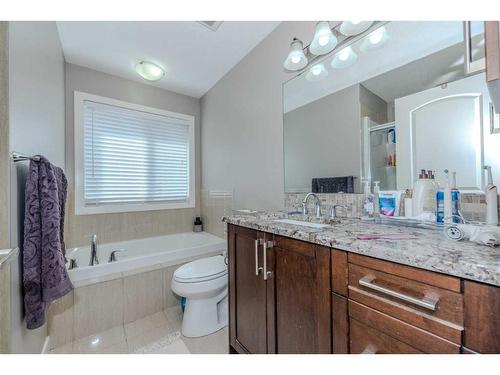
point(491, 199)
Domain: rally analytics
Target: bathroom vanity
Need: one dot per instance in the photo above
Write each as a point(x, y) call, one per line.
point(299, 289)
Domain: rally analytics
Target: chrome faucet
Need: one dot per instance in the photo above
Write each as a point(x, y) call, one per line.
point(93, 251)
point(318, 204)
point(112, 256)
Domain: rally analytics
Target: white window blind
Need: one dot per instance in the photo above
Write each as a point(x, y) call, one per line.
point(132, 156)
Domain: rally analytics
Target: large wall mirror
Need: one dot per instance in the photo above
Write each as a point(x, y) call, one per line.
point(388, 103)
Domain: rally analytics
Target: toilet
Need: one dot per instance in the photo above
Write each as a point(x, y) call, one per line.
point(203, 283)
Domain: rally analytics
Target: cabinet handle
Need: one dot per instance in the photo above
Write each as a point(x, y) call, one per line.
point(426, 302)
point(257, 268)
point(265, 246)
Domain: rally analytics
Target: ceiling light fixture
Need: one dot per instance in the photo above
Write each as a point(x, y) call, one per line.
point(323, 41)
point(344, 58)
point(374, 40)
point(149, 71)
point(296, 58)
point(350, 28)
point(316, 73)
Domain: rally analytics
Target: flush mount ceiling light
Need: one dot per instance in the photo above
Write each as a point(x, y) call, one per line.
point(316, 73)
point(296, 58)
point(149, 71)
point(374, 40)
point(323, 41)
point(344, 58)
point(350, 28)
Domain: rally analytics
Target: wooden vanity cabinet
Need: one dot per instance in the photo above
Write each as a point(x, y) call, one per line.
point(290, 311)
point(321, 300)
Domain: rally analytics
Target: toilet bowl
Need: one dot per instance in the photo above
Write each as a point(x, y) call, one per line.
point(203, 283)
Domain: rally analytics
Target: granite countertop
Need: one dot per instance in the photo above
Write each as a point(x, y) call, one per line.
point(428, 249)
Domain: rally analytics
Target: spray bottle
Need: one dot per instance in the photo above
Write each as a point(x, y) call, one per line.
point(491, 200)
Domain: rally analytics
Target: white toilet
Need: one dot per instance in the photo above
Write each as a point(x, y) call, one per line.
point(204, 284)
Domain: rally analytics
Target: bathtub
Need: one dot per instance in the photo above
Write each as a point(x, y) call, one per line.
point(141, 255)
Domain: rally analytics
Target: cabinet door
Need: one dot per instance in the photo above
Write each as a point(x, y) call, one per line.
point(482, 317)
point(247, 292)
point(302, 302)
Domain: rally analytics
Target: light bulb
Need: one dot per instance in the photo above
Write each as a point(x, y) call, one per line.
point(350, 28)
point(296, 58)
point(374, 40)
point(316, 73)
point(149, 71)
point(344, 58)
point(323, 40)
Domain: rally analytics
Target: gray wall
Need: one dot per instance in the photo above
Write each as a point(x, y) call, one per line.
point(36, 110)
point(242, 117)
point(4, 136)
point(129, 225)
point(322, 139)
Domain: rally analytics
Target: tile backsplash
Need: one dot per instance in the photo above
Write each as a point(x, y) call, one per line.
point(473, 206)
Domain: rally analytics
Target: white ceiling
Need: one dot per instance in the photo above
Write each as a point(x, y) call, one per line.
point(194, 57)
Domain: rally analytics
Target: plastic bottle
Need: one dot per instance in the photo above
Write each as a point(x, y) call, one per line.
point(424, 195)
point(368, 200)
point(376, 194)
point(455, 199)
point(491, 200)
point(447, 207)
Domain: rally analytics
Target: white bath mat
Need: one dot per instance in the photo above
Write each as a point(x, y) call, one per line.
point(170, 344)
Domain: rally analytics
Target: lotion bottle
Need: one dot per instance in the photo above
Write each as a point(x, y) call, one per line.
point(491, 200)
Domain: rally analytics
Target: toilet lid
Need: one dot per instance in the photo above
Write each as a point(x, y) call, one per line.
point(201, 270)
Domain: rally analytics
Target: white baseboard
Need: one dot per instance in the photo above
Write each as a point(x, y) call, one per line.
point(46, 345)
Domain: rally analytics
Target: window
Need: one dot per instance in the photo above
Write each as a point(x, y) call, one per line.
point(130, 157)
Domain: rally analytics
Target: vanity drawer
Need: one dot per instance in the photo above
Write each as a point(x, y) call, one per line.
point(367, 340)
point(409, 298)
point(400, 332)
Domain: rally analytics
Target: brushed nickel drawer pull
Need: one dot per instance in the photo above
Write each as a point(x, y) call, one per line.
point(426, 302)
point(265, 246)
point(257, 268)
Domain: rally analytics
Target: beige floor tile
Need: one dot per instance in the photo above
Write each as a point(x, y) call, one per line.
point(174, 316)
point(216, 343)
point(147, 338)
point(97, 308)
point(121, 348)
point(143, 295)
point(138, 327)
point(63, 349)
point(96, 343)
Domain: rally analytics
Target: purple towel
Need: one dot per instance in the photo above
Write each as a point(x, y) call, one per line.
point(44, 273)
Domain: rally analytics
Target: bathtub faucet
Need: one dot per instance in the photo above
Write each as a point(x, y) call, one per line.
point(93, 251)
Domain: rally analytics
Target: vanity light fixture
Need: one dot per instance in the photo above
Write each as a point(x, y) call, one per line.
point(316, 73)
point(296, 58)
point(149, 71)
point(344, 58)
point(374, 40)
point(323, 40)
point(350, 28)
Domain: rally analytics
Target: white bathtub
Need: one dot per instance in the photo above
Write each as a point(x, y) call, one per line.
point(141, 255)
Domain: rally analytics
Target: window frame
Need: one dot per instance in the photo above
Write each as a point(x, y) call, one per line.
point(80, 207)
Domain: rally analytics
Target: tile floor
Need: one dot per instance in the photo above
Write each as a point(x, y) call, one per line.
point(155, 334)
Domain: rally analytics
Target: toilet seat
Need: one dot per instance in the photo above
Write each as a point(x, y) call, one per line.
point(200, 270)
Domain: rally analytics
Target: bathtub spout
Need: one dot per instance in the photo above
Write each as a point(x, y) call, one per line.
point(93, 251)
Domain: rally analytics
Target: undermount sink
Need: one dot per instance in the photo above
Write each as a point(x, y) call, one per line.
point(302, 223)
